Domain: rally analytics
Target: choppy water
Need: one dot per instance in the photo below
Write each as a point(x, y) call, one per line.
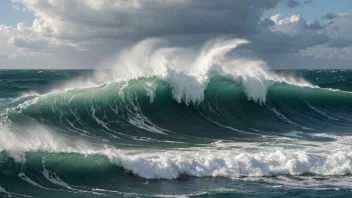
point(154, 137)
point(176, 122)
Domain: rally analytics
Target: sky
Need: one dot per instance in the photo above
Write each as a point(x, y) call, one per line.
point(67, 34)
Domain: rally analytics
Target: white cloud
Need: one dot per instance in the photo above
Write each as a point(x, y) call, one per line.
point(80, 33)
point(295, 25)
point(324, 51)
point(97, 28)
point(19, 8)
point(7, 56)
point(344, 15)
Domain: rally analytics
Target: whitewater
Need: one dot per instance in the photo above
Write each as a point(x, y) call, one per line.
point(158, 120)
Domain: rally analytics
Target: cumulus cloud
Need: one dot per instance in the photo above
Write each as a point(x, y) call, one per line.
point(292, 26)
point(81, 33)
point(98, 28)
point(288, 35)
point(78, 20)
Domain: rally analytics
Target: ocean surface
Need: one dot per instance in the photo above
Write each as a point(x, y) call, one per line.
point(258, 134)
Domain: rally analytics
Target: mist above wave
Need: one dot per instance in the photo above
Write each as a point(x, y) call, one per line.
point(188, 69)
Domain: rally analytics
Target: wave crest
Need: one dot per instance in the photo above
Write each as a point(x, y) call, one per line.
point(188, 70)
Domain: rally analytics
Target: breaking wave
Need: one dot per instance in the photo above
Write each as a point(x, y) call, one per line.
point(162, 112)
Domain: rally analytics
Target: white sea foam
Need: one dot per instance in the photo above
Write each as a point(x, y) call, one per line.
point(168, 165)
point(221, 159)
point(235, 159)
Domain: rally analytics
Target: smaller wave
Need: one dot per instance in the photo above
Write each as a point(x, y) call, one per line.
point(221, 159)
point(205, 163)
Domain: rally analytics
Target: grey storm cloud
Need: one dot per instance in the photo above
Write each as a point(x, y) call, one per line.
point(308, 1)
point(293, 3)
point(72, 29)
point(286, 35)
point(267, 22)
point(332, 16)
point(31, 44)
point(329, 16)
point(77, 20)
point(315, 25)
